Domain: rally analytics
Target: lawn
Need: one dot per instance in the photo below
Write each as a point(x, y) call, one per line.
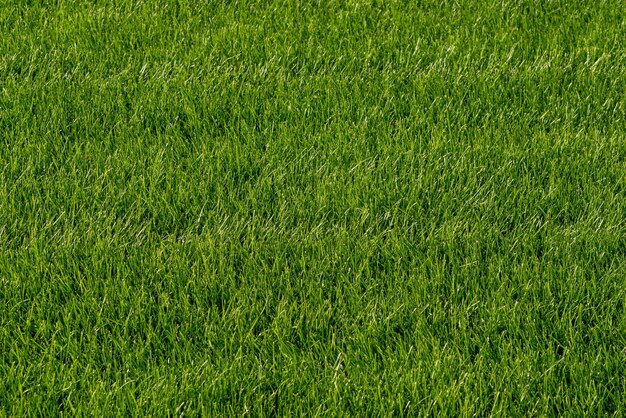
point(312, 208)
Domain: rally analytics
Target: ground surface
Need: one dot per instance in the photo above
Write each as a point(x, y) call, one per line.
point(325, 208)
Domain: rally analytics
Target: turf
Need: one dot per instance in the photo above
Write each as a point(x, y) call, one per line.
point(320, 208)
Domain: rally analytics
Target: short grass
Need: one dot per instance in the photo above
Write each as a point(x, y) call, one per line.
point(321, 208)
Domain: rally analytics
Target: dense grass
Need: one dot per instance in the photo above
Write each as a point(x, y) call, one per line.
point(362, 208)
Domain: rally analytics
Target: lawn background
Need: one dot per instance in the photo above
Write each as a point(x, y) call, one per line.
point(321, 208)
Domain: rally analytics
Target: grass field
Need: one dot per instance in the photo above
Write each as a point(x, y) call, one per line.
point(321, 208)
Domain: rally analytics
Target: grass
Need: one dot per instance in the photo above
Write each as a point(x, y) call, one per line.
point(324, 208)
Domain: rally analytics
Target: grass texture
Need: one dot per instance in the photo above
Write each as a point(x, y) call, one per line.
point(320, 208)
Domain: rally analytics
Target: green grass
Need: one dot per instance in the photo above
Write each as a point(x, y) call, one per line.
point(320, 208)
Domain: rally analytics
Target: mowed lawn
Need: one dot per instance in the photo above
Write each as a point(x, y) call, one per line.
point(312, 208)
